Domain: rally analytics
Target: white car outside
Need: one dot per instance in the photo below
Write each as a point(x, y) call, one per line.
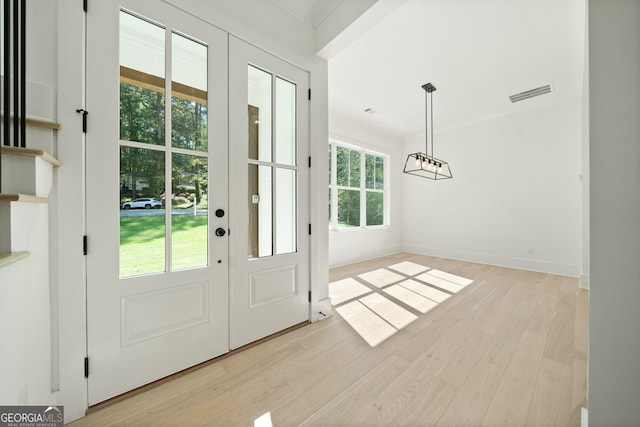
point(142, 203)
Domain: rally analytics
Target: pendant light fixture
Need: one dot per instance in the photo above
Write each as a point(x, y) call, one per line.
point(426, 165)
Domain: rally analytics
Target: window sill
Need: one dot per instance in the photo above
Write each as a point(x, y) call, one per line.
point(350, 229)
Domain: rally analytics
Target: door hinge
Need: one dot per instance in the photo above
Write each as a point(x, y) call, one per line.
point(84, 118)
point(309, 229)
point(84, 245)
point(309, 296)
point(309, 94)
point(309, 161)
point(86, 367)
point(84, 5)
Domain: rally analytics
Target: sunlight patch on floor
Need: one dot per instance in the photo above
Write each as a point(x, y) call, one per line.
point(371, 327)
point(263, 421)
point(426, 291)
point(366, 301)
point(392, 313)
point(412, 299)
point(346, 289)
point(439, 282)
point(409, 268)
point(381, 277)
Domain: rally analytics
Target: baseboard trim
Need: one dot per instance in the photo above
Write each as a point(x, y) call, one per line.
point(498, 260)
point(584, 282)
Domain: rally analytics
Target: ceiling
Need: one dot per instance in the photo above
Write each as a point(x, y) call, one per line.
point(312, 12)
point(476, 53)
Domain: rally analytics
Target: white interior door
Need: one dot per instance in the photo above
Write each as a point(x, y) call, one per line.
point(269, 246)
point(157, 272)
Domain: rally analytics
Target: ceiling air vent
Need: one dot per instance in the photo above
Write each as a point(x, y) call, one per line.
point(530, 93)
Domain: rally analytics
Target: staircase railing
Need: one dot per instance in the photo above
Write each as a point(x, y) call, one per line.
point(14, 71)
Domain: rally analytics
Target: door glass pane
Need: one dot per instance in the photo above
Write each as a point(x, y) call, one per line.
point(348, 208)
point(286, 217)
point(285, 122)
point(260, 234)
point(142, 214)
point(142, 80)
point(188, 93)
point(189, 213)
point(259, 114)
point(375, 208)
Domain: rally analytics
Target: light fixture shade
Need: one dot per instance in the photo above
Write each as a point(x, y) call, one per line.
point(426, 166)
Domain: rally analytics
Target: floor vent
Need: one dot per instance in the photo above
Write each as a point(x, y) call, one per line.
point(530, 93)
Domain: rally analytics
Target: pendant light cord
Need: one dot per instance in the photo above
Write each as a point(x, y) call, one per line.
point(426, 121)
point(432, 155)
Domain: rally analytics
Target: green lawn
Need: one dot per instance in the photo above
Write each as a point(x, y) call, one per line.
point(142, 243)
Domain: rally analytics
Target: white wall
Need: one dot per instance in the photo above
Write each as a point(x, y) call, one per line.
point(348, 246)
point(25, 371)
point(515, 196)
point(614, 317)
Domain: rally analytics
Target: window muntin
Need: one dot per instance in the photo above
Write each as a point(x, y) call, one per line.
point(357, 187)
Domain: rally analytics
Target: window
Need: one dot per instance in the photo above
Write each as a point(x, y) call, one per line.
point(357, 192)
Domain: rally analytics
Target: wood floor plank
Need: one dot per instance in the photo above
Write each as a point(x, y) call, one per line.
point(341, 409)
point(464, 360)
point(581, 331)
point(510, 404)
point(508, 349)
point(504, 343)
point(202, 414)
point(560, 343)
point(413, 398)
point(474, 396)
point(578, 392)
point(551, 402)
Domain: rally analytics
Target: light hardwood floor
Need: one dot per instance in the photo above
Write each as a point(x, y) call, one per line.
point(508, 350)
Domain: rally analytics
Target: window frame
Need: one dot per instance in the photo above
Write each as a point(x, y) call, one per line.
point(362, 188)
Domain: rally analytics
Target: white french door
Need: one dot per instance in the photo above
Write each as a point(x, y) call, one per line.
point(196, 190)
point(157, 172)
point(269, 187)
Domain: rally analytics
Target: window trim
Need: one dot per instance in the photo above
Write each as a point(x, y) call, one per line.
point(362, 188)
